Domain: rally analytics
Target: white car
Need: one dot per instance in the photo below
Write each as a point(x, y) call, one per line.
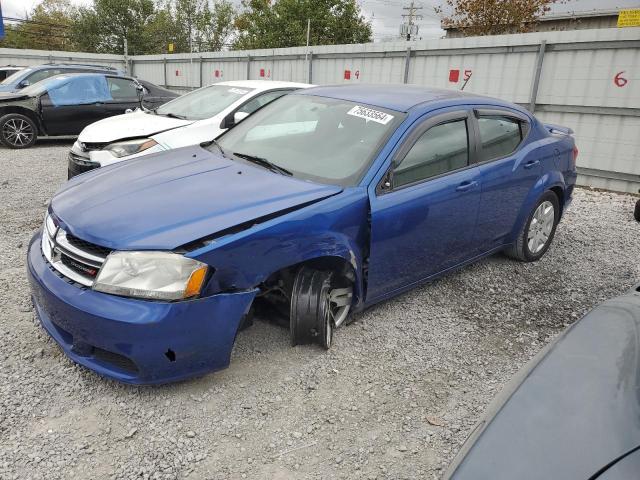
point(196, 117)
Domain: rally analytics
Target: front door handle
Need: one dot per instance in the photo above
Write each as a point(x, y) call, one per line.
point(466, 186)
point(531, 164)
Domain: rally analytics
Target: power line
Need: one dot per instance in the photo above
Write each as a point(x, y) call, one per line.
point(34, 22)
point(412, 9)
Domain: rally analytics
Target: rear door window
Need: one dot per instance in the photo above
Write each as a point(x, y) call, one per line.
point(499, 136)
point(122, 88)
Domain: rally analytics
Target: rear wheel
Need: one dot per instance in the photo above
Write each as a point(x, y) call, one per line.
point(17, 131)
point(320, 302)
point(537, 233)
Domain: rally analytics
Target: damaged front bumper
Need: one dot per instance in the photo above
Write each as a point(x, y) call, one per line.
point(131, 340)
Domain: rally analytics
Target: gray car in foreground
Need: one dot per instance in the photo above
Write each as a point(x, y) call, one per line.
point(573, 412)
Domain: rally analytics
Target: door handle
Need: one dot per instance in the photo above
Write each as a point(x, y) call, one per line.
point(531, 164)
point(466, 186)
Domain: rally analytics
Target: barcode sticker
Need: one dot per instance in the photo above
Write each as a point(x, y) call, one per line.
point(370, 114)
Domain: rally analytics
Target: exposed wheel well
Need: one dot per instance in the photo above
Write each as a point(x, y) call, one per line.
point(276, 290)
point(22, 111)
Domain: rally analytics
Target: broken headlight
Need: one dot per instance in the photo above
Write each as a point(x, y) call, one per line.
point(130, 147)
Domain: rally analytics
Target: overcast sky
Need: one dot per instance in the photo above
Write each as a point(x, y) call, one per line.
point(384, 14)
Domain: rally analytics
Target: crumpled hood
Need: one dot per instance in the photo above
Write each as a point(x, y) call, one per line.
point(11, 96)
point(166, 200)
point(128, 125)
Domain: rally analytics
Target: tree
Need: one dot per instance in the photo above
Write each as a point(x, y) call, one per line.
point(263, 24)
point(494, 17)
point(103, 26)
point(47, 27)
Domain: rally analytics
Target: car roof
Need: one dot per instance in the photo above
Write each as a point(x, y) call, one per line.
point(263, 84)
point(399, 97)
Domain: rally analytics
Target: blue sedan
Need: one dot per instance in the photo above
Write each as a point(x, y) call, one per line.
point(319, 205)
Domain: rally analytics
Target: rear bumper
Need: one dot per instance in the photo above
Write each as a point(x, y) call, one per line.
point(135, 341)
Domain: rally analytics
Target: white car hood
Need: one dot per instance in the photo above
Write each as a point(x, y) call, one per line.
point(129, 125)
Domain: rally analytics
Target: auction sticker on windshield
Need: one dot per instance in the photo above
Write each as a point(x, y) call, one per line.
point(370, 114)
point(238, 91)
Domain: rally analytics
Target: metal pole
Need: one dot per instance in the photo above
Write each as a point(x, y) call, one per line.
point(201, 71)
point(164, 70)
point(536, 76)
point(407, 60)
point(310, 75)
point(248, 67)
point(308, 33)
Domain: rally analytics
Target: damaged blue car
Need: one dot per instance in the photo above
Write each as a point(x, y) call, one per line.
point(320, 204)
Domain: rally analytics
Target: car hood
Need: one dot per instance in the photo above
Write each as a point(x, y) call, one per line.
point(573, 411)
point(169, 199)
point(129, 125)
point(11, 96)
point(7, 88)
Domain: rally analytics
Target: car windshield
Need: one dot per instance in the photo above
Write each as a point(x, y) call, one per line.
point(15, 76)
point(315, 138)
point(203, 103)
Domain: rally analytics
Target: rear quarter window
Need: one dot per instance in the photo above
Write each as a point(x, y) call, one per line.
point(499, 136)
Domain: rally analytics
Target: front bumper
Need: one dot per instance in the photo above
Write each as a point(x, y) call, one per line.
point(78, 164)
point(130, 340)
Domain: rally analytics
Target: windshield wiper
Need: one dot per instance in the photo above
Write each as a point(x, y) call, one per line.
point(172, 115)
point(213, 142)
point(263, 162)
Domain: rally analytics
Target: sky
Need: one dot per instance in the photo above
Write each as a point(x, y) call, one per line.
point(385, 15)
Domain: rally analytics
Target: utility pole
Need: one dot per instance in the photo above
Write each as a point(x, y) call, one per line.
point(411, 27)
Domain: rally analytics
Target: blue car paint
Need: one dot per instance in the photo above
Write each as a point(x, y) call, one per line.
point(174, 198)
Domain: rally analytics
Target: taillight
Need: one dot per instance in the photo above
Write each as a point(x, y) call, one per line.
point(575, 155)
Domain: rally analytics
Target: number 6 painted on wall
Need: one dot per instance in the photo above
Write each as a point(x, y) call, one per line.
point(619, 80)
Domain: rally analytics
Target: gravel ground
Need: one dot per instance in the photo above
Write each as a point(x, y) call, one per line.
point(395, 397)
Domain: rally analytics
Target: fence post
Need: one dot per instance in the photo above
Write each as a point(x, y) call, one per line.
point(407, 60)
point(164, 68)
point(310, 74)
point(248, 67)
point(536, 76)
point(200, 84)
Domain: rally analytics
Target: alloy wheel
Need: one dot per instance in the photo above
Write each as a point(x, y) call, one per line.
point(18, 132)
point(541, 227)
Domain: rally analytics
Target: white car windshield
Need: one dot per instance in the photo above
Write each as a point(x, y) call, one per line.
point(203, 103)
point(315, 138)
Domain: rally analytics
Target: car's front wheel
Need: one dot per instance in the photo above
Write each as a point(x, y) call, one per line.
point(17, 131)
point(320, 301)
point(537, 233)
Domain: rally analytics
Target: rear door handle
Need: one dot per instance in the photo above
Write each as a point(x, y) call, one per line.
point(466, 185)
point(531, 164)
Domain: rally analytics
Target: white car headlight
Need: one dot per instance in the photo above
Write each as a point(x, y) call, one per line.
point(151, 275)
point(130, 147)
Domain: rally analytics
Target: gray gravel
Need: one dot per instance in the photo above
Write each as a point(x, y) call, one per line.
point(394, 398)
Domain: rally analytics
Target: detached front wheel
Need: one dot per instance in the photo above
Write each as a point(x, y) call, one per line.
point(17, 131)
point(320, 302)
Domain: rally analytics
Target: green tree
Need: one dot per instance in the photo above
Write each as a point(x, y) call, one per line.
point(263, 24)
point(103, 26)
point(494, 17)
point(47, 27)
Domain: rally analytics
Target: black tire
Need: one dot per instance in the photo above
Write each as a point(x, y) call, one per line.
point(18, 131)
point(520, 250)
point(636, 213)
point(309, 319)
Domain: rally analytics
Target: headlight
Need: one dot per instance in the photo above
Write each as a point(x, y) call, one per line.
point(152, 275)
point(130, 147)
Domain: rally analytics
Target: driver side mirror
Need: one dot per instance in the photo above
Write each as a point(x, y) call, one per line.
point(24, 83)
point(239, 116)
point(232, 120)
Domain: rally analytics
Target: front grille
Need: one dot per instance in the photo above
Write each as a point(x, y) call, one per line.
point(79, 267)
point(89, 146)
point(73, 258)
point(78, 165)
point(87, 246)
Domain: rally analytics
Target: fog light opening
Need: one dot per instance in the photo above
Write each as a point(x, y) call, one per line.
point(171, 355)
